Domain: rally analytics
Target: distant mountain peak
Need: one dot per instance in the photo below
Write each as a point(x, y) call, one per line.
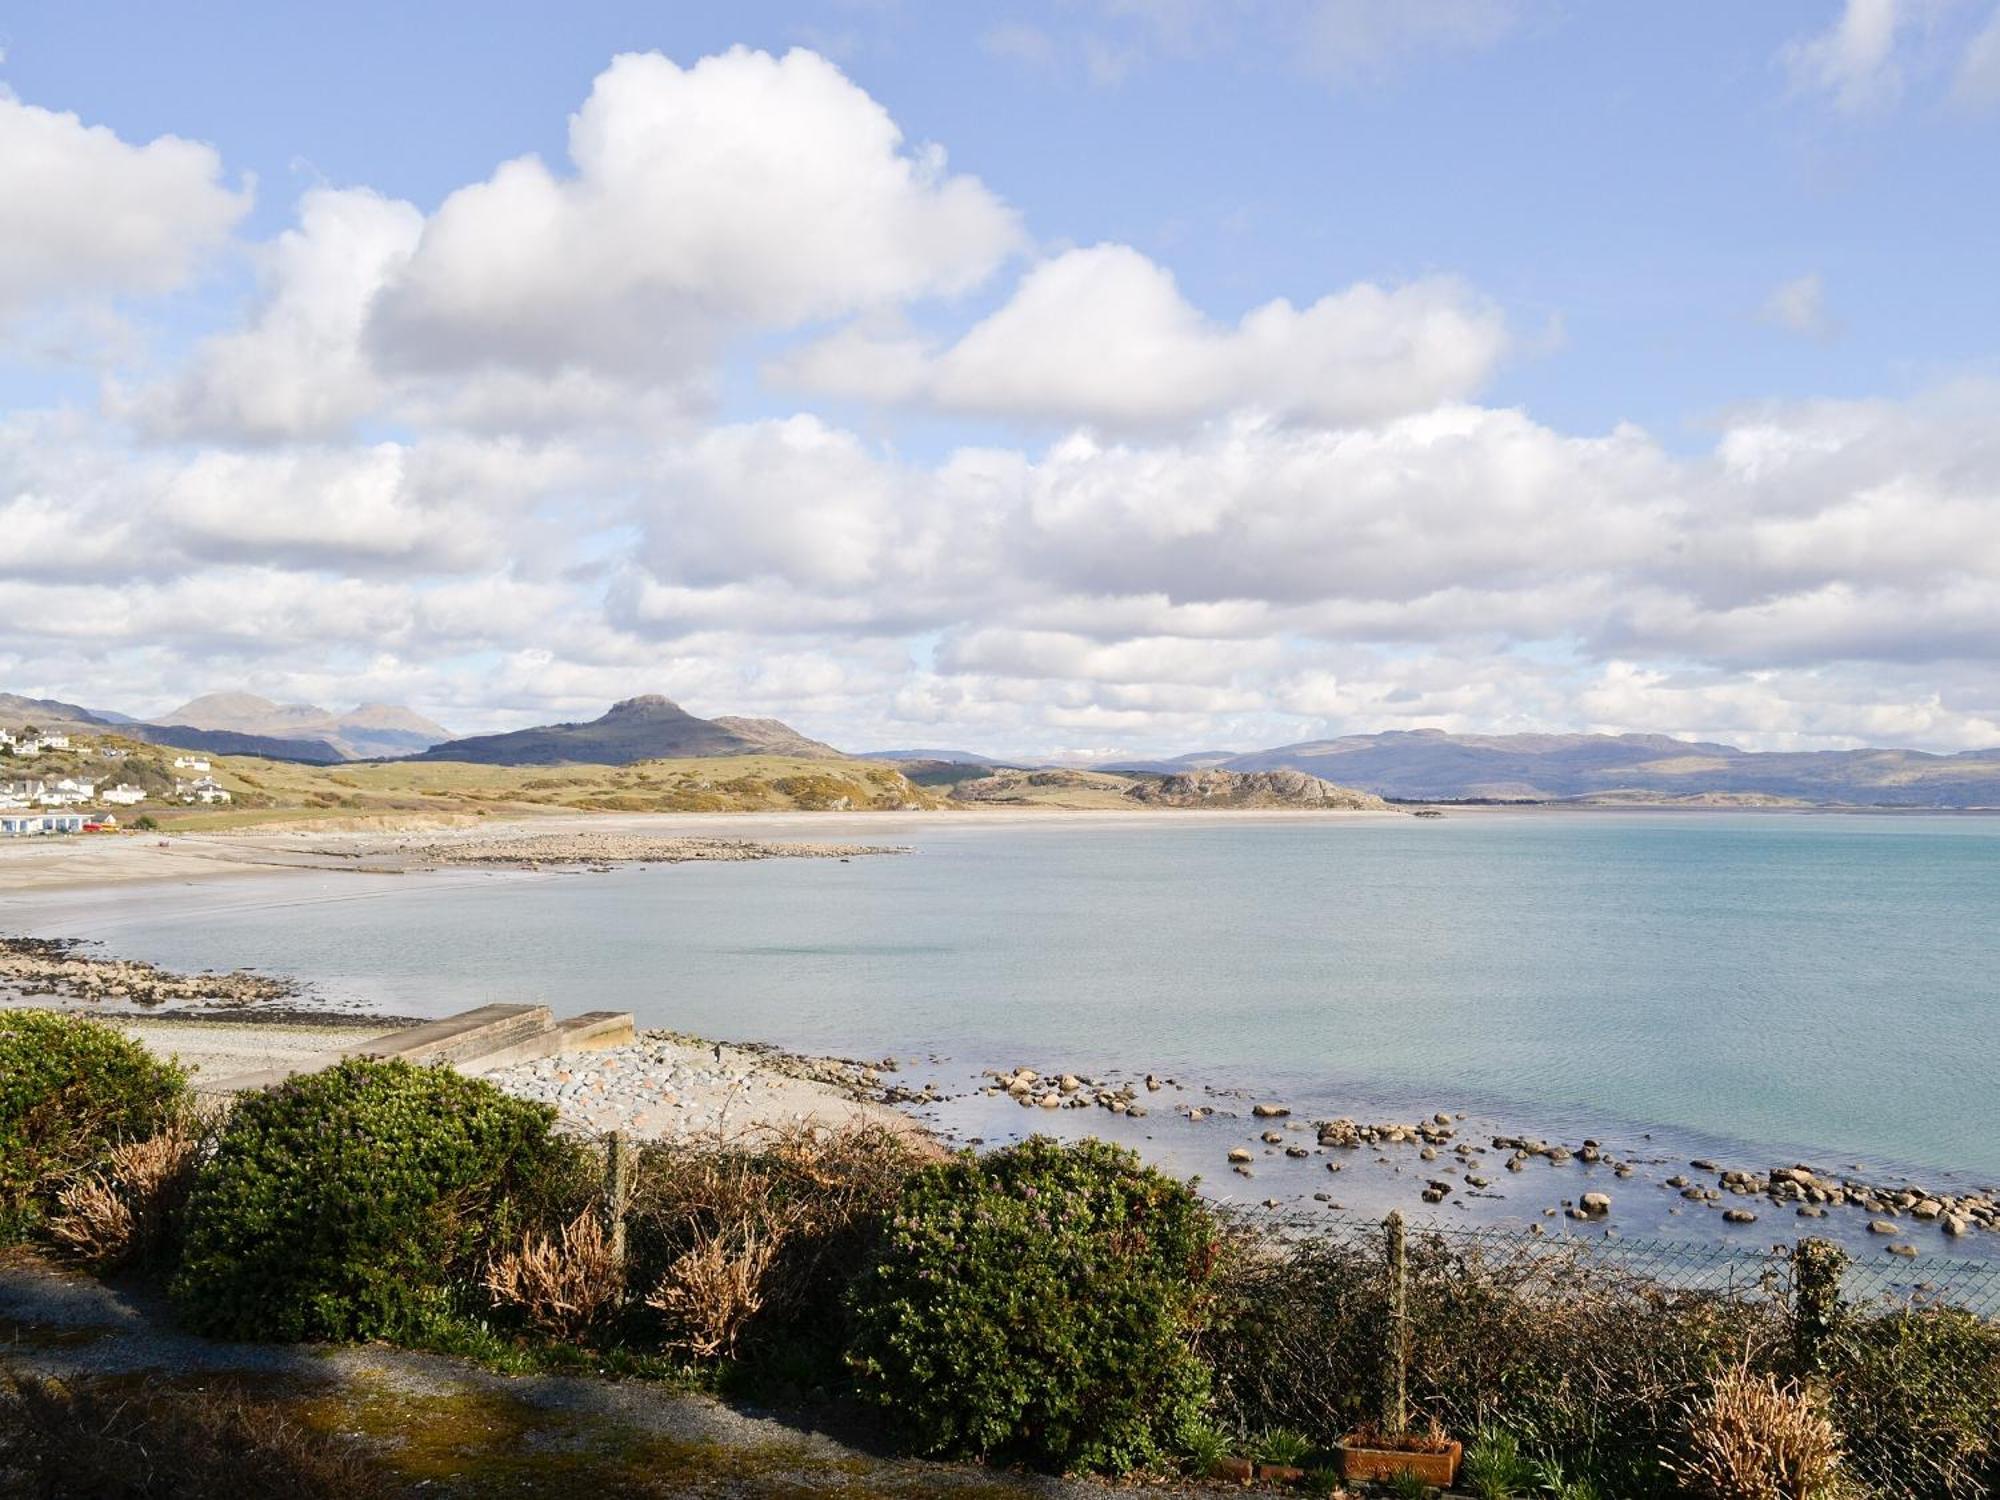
point(648, 727)
point(644, 703)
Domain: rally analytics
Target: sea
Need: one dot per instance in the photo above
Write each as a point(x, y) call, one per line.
point(1758, 987)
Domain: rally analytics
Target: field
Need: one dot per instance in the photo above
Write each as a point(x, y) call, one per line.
point(268, 792)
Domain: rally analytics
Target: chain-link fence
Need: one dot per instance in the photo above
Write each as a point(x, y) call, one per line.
point(1599, 1354)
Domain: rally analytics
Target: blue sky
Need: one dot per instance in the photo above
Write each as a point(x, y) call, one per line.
point(1677, 393)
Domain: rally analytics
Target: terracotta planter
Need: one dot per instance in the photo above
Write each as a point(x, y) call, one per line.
point(1232, 1470)
point(1280, 1473)
point(1359, 1461)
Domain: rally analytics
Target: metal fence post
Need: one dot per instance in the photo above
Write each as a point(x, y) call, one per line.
point(1396, 1392)
point(1816, 1269)
point(617, 1190)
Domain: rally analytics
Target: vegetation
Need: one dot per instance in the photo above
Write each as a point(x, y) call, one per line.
point(128, 1213)
point(744, 1251)
point(271, 791)
point(1059, 1305)
point(1752, 1437)
point(353, 1202)
point(1917, 1390)
point(71, 1092)
point(1040, 1303)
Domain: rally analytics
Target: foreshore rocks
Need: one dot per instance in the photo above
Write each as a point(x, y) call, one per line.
point(596, 849)
point(1034, 1090)
point(37, 968)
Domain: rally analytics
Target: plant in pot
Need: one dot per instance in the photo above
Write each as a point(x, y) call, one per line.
point(1392, 1446)
point(1375, 1451)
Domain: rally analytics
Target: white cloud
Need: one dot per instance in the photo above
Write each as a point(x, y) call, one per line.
point(1104, 336)
point(86, 215)
point(472, 461)
point(744, 191)
point(1853, 60)
point(298, 370)
point(1799, 306)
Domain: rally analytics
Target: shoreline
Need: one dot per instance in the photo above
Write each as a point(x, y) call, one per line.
point(391, 846)
point(958, 1098)
point(1249, 1152)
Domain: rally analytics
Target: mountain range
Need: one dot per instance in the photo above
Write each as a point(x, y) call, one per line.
point(644, 728)
point(369, 731)
point(1430, 765)
point(53, 713)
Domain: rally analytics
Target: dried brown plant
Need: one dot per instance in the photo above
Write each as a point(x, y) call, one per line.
point(760, 1235)
point(1751, 1437)
point(565, 1285)
point(712, 1290)
point(124, 1213)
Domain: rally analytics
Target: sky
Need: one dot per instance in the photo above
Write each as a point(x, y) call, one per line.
point(1075, 379)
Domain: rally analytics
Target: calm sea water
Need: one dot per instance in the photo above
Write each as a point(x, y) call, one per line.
point(1822, 985)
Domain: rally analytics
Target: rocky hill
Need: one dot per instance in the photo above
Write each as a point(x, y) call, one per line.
point(369, 731)
point(645, 728)
point(1252, 789)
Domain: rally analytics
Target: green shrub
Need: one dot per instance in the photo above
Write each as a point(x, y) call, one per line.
point(71, 1089)
point(1039, 1303)
point(354, 1202)
point(1915, 1393)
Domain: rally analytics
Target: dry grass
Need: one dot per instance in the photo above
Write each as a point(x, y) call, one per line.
point(566, 1285)
point(153, 1441)
point(713, 1289)
point(124, 1214)
point(1752, 1438)
point(741, 1242)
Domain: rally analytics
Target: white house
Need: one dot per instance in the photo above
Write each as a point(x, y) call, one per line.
point(68, 792)
point(122, 795)
point(55, 742)
point(189, 763)
point(201, 789)
point(27, 749)
point(27, 791)
point(14, 825)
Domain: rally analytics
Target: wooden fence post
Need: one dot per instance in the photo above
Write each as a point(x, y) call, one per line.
point(617, 1190)
point(1396, 1391)
point(1816, 1270)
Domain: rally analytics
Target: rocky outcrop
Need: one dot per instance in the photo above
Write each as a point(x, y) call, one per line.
point(1252, 789)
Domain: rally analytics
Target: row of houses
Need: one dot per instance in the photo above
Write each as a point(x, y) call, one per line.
point(17, 824)
point(28, 746)
point(68, 791)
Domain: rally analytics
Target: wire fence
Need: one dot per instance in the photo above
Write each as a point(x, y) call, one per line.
point(1597, 1354)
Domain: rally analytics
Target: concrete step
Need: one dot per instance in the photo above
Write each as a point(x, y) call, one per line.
point(465, 1038)
point(593, 1031)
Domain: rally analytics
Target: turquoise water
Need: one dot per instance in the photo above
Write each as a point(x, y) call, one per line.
point(1824, 985)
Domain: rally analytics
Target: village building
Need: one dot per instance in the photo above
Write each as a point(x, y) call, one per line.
point(20, 824)
point(122, 795)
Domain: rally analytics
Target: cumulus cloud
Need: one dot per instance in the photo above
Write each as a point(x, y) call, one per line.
point(1104, 336)
point(297, 370)
point(84, 214)
point(745, 190)
point(464, 460)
